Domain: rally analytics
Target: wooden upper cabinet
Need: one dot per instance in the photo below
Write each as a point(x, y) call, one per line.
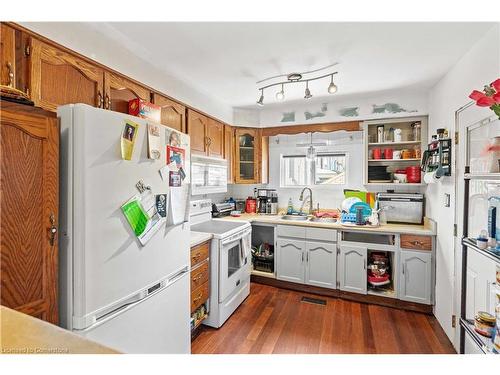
point(29, 145)
point(173, 114)
point(58, 78)
point(229, 152)
point(7, 55)
point(196, 127)
point(119, 90)
point(215, 135)
point(247, 151)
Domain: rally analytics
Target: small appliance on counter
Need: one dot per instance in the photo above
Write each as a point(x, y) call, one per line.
point(267, 201)
point(406, 208)
point(222, 209)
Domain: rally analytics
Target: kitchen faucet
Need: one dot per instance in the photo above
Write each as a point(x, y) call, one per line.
point(301, 198)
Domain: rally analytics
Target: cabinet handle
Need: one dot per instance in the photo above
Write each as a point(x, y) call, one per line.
point(52, 229)
point(99, 100)
point(307, 257)
point(107, 103)
point(364, 264)
point(302, 257)
point(418, 243)
point(11, 74)
point(199, 297)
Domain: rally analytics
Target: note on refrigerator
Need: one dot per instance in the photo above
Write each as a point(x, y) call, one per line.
point(178, 205)
point(155, 139)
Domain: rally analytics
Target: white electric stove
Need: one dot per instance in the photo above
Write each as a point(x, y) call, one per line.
point(230, 260)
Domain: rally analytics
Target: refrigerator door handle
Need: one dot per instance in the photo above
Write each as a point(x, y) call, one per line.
point(176, 276)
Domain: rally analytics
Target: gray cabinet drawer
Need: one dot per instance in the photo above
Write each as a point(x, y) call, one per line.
point(291, 231)
point(321, 234)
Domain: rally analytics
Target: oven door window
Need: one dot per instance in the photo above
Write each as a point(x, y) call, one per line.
point(233, 259)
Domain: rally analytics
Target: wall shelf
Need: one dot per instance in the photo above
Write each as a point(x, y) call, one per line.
point(393, 160)
point(404, 143)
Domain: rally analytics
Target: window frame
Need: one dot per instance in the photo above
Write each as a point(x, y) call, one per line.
point(311, 165)
point(331, 153)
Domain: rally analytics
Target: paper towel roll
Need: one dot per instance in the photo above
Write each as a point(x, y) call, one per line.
point(430, 177)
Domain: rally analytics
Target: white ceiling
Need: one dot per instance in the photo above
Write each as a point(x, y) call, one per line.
point(225, 60)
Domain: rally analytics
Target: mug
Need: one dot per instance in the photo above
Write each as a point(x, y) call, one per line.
point(396, 154)
point(377, 153)
point(388, 153)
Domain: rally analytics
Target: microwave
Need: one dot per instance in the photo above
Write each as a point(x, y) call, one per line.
point(208, 175)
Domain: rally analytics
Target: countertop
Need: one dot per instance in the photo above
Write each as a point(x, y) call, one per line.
point(427, 229)
point(198, 237)
point(24, 334)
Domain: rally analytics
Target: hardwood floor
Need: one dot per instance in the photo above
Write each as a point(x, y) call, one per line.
point(273, 320)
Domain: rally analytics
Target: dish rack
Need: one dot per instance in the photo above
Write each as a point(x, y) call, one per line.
point(349, 218)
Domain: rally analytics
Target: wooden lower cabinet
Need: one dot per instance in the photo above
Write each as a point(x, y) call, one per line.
point(200, 275)
point(29, 210)
point(173, 114)
point(58, 78)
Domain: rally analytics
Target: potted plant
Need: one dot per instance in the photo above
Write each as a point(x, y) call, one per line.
point(489, 97)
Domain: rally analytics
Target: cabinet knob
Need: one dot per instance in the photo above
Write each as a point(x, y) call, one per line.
point(107, 103)
point(52, 229)
point(99, 100)
point(10, 73)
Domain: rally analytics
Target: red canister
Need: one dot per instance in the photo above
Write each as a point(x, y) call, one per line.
point(251, 205)
point(377, 153)
point(413, 174)
point(388, 153)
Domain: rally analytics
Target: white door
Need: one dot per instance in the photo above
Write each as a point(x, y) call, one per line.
point(352, 268)
point(321, 264)
point(158, 324)
point(291, 255)
point(416, 276)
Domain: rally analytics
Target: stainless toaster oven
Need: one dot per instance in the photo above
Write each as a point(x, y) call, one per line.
point(402, 207)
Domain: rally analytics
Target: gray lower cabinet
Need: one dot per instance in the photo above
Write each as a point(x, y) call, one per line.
point(416, 276)
point(321, 264)
point(291, 255)
point(352, 268)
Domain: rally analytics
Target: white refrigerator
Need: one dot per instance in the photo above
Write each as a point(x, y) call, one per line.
point(115, 290)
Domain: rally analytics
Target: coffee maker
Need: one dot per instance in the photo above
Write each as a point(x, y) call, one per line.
point(267, 201)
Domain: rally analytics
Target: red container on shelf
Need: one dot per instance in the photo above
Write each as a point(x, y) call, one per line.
point(388, 153)
point(377, 153)
point(413, 174)
point(251, 205)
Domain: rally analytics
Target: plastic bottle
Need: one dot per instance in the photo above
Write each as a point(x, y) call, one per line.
point(289, 209)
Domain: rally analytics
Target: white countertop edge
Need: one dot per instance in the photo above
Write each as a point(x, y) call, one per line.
point(198, 237)
point(429, 227)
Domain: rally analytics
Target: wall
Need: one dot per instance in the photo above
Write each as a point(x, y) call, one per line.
point(479, 66)
point(334, 108)
point(327, 196)
point(104, 48)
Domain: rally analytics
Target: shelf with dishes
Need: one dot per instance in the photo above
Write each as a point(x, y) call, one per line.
point(391, 147)
point(484, 343)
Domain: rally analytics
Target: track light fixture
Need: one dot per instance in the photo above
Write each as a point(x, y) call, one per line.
point(332, 88)
point(293, 78)
point(280, 95)
point(261, 99)
point(307, 93)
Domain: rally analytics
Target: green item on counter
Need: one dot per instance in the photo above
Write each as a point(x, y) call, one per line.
point(363, 195)
point(137, 218)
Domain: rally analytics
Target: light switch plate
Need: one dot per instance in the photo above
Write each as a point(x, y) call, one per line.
point(447, 200)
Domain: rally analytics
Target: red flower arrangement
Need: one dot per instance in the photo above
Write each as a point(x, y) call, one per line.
point(490, 97)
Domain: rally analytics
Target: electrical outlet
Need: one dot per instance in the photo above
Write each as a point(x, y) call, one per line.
point(447, 200)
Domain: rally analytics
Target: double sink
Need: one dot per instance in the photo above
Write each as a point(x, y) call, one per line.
point(308, 218)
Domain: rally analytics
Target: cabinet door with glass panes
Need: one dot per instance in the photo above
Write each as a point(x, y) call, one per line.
point(247, 161)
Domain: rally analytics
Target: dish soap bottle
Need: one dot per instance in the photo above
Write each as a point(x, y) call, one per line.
point(289, 209)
